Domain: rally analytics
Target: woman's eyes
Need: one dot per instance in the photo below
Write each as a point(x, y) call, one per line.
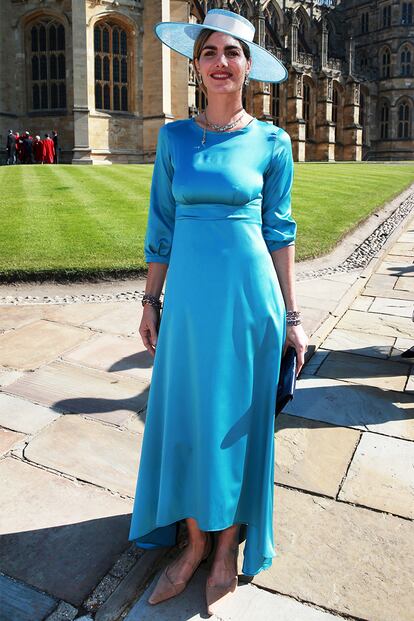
point(232, 53)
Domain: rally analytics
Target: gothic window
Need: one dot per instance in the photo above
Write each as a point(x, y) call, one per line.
point(364, 22)
point(386, 16)
point(335, 105)
point(306, 108)
point(200, 100)
point(363, 62)
point(407, 13)
point(362, 117)
point(272, 38)
point(361, 109)
point(47, 65)
point(111, 67)
point(403, 120)
point(384, 120)
point(275, 103)
point(239, 6)
point(386, 63)
point(302, 38)
point(405, 61)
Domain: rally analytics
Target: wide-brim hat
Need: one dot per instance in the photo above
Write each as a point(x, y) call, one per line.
point(180, 37)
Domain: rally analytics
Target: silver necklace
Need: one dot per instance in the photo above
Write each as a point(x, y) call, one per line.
point(223, 128)
point(217, 127)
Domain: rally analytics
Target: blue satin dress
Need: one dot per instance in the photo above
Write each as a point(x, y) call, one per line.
point(216, 213)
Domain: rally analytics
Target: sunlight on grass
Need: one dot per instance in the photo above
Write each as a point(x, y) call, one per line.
point(79, 220)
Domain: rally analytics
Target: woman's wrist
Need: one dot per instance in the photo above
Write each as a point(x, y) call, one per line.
point(293, 317)
point(153, 300)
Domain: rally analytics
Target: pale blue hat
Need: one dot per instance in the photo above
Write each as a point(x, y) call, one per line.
point(180, 37)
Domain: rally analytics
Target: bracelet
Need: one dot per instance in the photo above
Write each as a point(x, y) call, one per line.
point(151, 299)
point(293, 318)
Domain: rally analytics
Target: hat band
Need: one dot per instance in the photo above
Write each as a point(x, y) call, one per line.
point(229, 23)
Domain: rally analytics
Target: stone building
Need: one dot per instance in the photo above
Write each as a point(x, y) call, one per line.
point(95, 71)
point(383, 36)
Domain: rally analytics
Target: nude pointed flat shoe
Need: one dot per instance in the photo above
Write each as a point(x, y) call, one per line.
point(215, 595)
point(166, 588)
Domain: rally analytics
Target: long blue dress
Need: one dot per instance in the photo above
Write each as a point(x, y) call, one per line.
point(216, 212)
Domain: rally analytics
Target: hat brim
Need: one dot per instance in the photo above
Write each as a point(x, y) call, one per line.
point(180, 37)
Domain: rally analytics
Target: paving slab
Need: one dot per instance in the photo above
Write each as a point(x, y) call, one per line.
point(361, 343)
point(98, 453)
point(405, 283)
point(407, 237)
point(116, 354)
point(362, 302)
point(384, 292)
point(404, 248)
point(401, 258)
point(12, 317)
point(348, 559)
point(123, 319)
point(314, 362)
point(410, 383)
point(358, 369)
point(21, 415)
point(78, 313)
point(400, 346)
point(381, 475)
point(395, 267)
point(393, 306)
point(58, 535)
point(8, 439)
point(308, 302)
point(383, 281)
point(312, 455)
point(377, 323)
point(312, 318)
point(352, 405)
point(22, 603)
point(38, 343)
point(135, 422)
point(7, 376)
point(327, 289)
point(73, 389)
point(246, 604)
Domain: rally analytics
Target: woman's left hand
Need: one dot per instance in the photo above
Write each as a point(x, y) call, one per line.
point(296, 337)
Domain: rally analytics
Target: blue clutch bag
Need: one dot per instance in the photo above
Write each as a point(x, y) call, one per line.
point(287, 379)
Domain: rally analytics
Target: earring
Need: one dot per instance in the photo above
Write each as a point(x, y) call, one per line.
point(246, 81)
point(199, 77)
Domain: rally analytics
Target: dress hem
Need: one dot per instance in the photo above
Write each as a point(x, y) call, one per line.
point(152, 546)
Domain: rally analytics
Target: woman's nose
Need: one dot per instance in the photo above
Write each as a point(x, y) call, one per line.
point(221, 60)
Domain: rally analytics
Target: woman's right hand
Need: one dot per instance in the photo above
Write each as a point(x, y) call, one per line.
point(148, 328)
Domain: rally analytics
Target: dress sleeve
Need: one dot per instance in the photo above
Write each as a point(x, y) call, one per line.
point(278, 226)
point(161, 214)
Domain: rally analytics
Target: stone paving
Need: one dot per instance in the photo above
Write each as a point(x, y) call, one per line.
point(74, 381)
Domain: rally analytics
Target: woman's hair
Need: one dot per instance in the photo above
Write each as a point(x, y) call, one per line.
point(198, 47)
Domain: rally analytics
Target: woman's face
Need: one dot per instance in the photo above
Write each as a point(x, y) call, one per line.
point(222, 63)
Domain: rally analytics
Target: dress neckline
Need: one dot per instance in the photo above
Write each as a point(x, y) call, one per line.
point(211, 131)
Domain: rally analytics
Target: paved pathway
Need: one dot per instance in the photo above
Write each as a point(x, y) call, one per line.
point(74, 380)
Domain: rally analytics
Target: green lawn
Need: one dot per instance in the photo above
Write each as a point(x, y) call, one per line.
point(90, 220)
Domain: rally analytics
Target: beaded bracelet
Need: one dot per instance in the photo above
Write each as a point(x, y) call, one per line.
point(293, 318)
point(151, 299)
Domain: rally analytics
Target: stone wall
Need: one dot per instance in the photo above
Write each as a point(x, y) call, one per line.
point(316, 49)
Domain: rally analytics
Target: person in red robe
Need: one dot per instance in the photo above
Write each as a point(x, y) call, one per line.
point(48, 150)
point(21, 153)
point(17, 146)
point(38, 150)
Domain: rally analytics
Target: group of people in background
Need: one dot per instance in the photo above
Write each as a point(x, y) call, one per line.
point(24, 149)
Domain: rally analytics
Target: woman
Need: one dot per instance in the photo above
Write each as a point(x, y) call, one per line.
point(220, 222)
